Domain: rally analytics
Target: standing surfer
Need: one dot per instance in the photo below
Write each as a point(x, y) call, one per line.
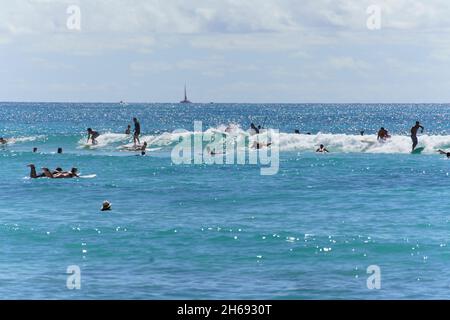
point(414, 134)
point(137, 131)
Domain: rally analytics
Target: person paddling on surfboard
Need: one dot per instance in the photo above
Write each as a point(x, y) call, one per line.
point(414, 134)
point(444, 152)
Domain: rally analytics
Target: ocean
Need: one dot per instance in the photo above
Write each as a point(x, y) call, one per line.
point(315, 229)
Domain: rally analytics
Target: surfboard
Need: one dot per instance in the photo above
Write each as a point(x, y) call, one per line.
point(418, 150)
point(89, 176)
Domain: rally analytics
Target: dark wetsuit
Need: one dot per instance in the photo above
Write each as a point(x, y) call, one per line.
point(137, 128)
point(414, 135)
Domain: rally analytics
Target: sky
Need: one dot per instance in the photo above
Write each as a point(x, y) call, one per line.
point(255, 51)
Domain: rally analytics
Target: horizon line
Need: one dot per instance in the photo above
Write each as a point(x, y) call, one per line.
point(213, 102)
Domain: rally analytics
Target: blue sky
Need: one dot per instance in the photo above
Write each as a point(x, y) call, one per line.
point(283, 51)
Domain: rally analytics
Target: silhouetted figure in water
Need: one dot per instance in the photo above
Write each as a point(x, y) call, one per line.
point(92, 135)
point(260, 145)
point(137, 131)
point(414, 134)
point(322, 149)
point(253, 127)
point(444, 152)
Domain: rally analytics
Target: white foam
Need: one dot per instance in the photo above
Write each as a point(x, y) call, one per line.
point(103, 140)
point(233, 134)
point(25, 139)
point(357, 143)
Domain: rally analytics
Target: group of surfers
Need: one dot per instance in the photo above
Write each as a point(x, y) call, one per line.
point(137, 146)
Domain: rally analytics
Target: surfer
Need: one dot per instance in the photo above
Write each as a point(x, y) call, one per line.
point(322, 149)
point(61, 175)
point(58, 173)
point(3, 141)
point(128, 131)
point(92, 135)
point(444, 152)
point(260, 145)
point(254, 128)
point(137, 131)
point(414, 134)
point(143, 148)
point(212, 152)
point(383, 134)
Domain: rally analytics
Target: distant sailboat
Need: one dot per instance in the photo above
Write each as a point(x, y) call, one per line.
point(185, 96)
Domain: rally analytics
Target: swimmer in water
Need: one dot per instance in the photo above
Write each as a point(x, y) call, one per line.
point(92, 135)
point(322, 149)
point(444, 152)
point(3, 141)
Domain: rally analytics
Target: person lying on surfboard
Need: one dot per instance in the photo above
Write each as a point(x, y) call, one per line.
point(414, 134)
point(57, 174)
point(260, 145)
point(444, 152)
point(92, 135)
point(212, 152)
point(3, 141)
point(322, 149)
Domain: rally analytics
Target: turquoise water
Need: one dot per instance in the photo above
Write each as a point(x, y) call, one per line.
point(225, 231)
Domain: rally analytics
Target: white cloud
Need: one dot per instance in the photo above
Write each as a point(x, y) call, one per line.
point(286, 43)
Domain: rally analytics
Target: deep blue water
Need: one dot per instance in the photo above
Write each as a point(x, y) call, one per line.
point(225, 231)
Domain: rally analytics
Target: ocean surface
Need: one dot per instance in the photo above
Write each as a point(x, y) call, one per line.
point(224, 231)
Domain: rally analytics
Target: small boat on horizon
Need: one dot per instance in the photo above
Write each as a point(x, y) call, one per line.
point(185, 96)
